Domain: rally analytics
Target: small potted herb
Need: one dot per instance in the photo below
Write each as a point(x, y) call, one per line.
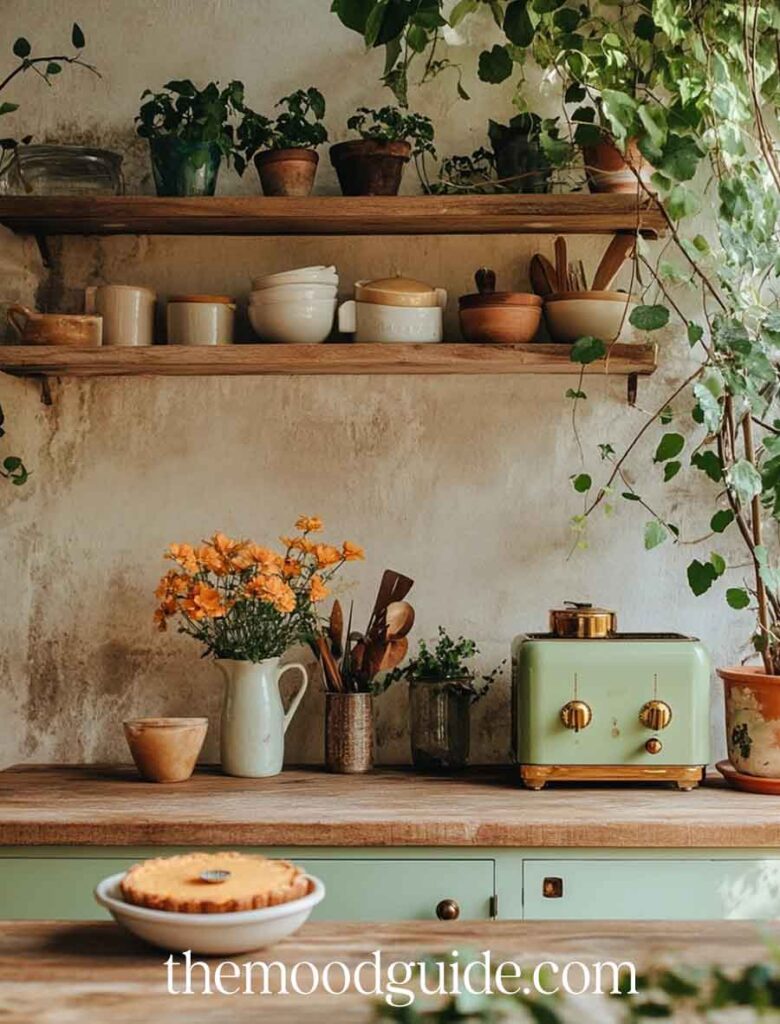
point(521, 162)
point(189, 132)
point(284, 149)
point(373, 164)
point(442, 688)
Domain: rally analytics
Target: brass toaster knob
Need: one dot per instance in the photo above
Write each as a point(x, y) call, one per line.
point(576, 715)
point(655, 715)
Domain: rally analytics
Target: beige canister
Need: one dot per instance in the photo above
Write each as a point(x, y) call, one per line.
point(127, 311)
point(200, 319)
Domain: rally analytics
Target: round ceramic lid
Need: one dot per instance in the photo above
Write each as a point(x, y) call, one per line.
point(396, 291)
point(220, 300)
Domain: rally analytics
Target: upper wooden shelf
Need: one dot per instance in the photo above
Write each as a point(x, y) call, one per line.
point(336, 358)
point(572, 213)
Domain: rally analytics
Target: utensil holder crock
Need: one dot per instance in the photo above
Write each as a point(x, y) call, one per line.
point(349, 732)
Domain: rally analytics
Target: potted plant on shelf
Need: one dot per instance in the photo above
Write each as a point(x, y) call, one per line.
point(442, 688)
point(247, 605)
point(373, 165)
point(521, 162)
point(189, 132)
point(284, 149)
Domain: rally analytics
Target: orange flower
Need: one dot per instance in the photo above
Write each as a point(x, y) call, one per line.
point(172, 585)
point(210, 559)
point(224, 545)
point(291, 568)
point(160, 619)
point(183, 555)
point(308, 524)
point(298, 544)
point(204, 602)
point(317, 589)
point(264, 557)
point(273, 590)
point(326, 555)
point(352, 552)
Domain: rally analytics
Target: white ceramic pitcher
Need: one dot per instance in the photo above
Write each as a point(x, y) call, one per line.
point(253, 718)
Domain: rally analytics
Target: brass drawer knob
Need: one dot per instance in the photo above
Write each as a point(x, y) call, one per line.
point(448, 910)
point(576, 715)
point(552, 888)
point(655, 715)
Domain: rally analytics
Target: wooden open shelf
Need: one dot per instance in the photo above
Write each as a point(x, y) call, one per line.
point(573, 213)
point(336, 358)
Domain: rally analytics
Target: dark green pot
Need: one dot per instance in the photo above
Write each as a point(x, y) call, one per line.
point(184, 168)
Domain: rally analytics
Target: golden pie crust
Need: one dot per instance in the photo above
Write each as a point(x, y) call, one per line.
point(175, 883)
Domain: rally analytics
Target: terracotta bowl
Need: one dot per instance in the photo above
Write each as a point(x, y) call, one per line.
point(165, 749)
point(505, 318)
point(573, 315)
point(752, 720)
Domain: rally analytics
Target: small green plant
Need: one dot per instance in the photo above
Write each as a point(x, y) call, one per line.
point(475, 173)
point(47, 68)
point(193, 115)
point(299, 126)
point(389, 124)
point(13, 468)
point(445, 663)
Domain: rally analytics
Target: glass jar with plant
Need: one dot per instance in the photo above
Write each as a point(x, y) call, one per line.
point(189, 132)
point(247, 604)
point(284, 148)
point(442, 688)
point(373, 165)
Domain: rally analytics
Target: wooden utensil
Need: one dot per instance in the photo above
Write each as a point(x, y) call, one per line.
point(561, 264)
point(336, 629)
point(395, 652)
point(485, 280)
point(543, 277)
point(393, 587)
point(616, 254)
point(329, 666)
point(399, 619)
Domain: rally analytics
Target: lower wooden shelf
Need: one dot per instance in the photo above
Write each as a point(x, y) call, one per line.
point(337, 358)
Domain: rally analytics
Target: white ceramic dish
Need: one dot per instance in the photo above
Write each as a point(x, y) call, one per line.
point(293, 323)
point(216, 934)
point(304, 275)
point(370, 321)
point(293, 293)
point(604, 317)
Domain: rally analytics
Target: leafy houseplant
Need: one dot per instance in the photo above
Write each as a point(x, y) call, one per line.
point(373, 164)
point(285, 148)
point(442, 688)
point(189, 132)
point(521, 163)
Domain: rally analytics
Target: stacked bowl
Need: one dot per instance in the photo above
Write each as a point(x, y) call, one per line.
point(296, 306)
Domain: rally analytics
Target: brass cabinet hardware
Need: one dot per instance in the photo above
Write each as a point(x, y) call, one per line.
point(448, 910)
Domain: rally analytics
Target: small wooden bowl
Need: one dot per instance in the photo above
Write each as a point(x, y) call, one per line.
point(166, 749)
point(506, 318)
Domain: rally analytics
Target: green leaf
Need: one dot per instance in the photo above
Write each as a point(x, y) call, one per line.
point(567, 19)
point(718, 563)
point(709, 463)
point(721, 520)
point(11, 463)
point(461, 10)
point(645, 28)
point(695, 333)
point(680, 158)
point(744, 478)
point(353, 13)
point(52, 68)
point(649, 318)
point(682, 202)
point(77, 36)
point(620, 110)
point(708, 392)
point(581, 482)
point(572, 393)
point(495, 65)
point(737, 598)
point(671, 469)
point(701, 576)
point(587, 350)
point(669, 446)
point(655, 534)
point(630, 496)
point(517, 24)
point(667, 415)
point(22, 48)
point(8, 108)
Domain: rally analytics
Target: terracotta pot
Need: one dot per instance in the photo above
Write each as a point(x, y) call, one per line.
point(608, 170)
point(287, 172)
point(349, 732)
point(752, 720)
point(165, 749)
point(366, 167)
point(500, 317)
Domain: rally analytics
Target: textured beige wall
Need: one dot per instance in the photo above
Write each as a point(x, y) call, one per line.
point(461, 482)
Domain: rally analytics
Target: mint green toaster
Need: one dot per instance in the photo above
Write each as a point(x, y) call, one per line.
point(621, 707)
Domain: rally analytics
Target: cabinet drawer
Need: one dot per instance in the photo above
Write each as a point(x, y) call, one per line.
point(381, 889)
point(614, 889)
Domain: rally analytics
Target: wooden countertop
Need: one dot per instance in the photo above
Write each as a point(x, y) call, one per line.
point(110, 806)
point(55, 972)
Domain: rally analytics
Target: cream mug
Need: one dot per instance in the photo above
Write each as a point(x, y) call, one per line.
point(200, 319)
point(127, 311)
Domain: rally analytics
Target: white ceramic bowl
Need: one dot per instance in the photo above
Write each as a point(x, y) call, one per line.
point(295, 323)
point(602, 315)
point(370, 321)
point(216, 934)
point(293, 293)
point(304, 275)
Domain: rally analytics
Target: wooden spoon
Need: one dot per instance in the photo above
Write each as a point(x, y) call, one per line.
point(336, 629)
point(613, 259)
point(561, 263)
point(399, 619)
point(395, 652)
point(542, 272)
point(329, 666)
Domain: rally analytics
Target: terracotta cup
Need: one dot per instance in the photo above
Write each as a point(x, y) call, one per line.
point(165, 749)
point(287, 172)
point(752, 720)
point(55, 328)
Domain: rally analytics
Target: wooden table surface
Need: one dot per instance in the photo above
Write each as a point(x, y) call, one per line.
point(65, 973)
point(107, 806)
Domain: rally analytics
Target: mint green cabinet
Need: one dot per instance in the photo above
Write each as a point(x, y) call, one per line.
point(635, 889)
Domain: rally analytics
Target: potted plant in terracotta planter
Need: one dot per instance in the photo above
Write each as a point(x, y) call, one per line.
point(284, 149)
point(247, 604)
point(442, 688)
point(373, 165)
point(189, 132)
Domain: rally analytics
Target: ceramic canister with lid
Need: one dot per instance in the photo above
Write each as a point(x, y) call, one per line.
point(200, 319)
point(394, 309)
